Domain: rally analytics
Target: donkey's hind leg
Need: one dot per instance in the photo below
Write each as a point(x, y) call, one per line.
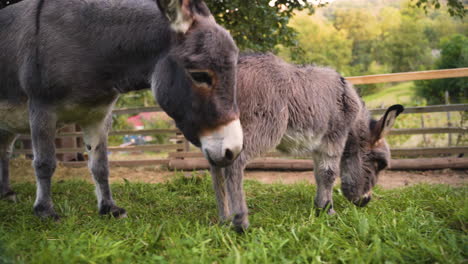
point(43, 125)
point(6, 146)
point(95, 137)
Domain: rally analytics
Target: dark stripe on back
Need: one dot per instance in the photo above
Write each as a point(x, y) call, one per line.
point(40, 4)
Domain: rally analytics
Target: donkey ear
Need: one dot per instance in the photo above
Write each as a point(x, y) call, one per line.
point(181, 13)
point(383, 126)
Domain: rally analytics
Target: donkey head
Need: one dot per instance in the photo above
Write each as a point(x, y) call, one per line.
point(366, 154)
point(195, 83)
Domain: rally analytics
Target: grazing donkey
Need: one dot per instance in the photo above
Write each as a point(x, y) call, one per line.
point(312, 111)
point(67, 62)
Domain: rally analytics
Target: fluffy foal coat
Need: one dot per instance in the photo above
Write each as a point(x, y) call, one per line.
point(312, 111)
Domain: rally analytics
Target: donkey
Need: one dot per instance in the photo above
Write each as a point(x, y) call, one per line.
point(67, 61)
point(307, 110)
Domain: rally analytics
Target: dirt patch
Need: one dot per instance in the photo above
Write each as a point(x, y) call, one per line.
point(21, 171)
point(387, 179)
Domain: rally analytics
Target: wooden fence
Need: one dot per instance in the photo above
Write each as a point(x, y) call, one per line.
point(180, 155)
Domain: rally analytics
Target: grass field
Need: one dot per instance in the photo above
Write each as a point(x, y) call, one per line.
point(401, 93)
point(176, 222)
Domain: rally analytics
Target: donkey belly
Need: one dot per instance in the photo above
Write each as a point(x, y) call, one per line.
point(14, 117)
point(300, 142)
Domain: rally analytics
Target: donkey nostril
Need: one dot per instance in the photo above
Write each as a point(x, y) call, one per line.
point(229, 155)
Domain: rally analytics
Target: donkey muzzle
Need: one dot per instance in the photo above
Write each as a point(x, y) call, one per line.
point(223, 145)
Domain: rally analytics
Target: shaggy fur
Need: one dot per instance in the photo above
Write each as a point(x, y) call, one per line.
point(311, 111)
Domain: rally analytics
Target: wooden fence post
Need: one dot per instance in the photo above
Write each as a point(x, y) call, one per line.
point(179, 141)
point(449, 124)
point(422, 126)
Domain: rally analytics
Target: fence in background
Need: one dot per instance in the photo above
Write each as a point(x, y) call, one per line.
point(182, 156)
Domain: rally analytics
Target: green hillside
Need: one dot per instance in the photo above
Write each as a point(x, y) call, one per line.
point(402, 93)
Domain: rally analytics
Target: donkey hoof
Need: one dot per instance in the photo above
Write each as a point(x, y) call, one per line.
point(240, 223)
point(363, 201)
point(113, 211)
point(241, 229)
point(10, 196)
point(328, 210)
point(46, 212)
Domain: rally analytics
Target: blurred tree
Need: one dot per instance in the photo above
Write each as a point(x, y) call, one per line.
point(454, 7)
point(259, 25)
point(406, 47)
point(454, 54)
point(362, 29)
point(320, 42)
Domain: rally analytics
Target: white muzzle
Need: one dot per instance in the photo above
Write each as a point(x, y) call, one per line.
point(222, 145)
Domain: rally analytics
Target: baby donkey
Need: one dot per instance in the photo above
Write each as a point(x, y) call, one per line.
point(310, 111)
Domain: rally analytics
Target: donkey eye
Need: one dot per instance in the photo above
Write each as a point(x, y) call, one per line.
point(201, 77)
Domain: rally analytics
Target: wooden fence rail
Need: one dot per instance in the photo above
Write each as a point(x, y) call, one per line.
point(398, 131)
point(409, 76)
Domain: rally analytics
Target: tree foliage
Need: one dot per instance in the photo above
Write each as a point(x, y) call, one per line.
point(454, 54)
point(259, 25)
point(406, 48)
point(454, 7)
point(320, 43)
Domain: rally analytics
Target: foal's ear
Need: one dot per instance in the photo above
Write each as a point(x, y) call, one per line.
point(181, 13)
point(383, 126)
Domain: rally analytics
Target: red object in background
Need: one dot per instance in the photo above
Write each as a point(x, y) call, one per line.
point(138, 120)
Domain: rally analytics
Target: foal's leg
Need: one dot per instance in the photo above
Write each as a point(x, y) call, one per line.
point(6, 146)
point(234, 176)
point(326, 169)
point(95, 137)
point(43, 126)
point(219, 186)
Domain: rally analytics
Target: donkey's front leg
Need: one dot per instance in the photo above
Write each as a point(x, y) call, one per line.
point(219, 186)
point(6, 147)
point(43, 125)
point(95, 137)
point(326, 169)
point(234, 175)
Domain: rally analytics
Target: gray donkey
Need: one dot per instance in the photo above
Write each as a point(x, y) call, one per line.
point(67, 62)
point(312, 111)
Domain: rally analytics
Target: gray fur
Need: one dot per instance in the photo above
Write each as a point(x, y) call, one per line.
point(67, 61)
point(311, 111)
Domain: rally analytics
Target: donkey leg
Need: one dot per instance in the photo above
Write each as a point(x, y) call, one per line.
point(219, 186)
point(6, 146)
point(234, 176)
point(43, 126)
point(95, 137)
point(326, 168)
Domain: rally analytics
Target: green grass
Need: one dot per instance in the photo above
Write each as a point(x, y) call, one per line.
point(402, 93)
point(176, 223)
